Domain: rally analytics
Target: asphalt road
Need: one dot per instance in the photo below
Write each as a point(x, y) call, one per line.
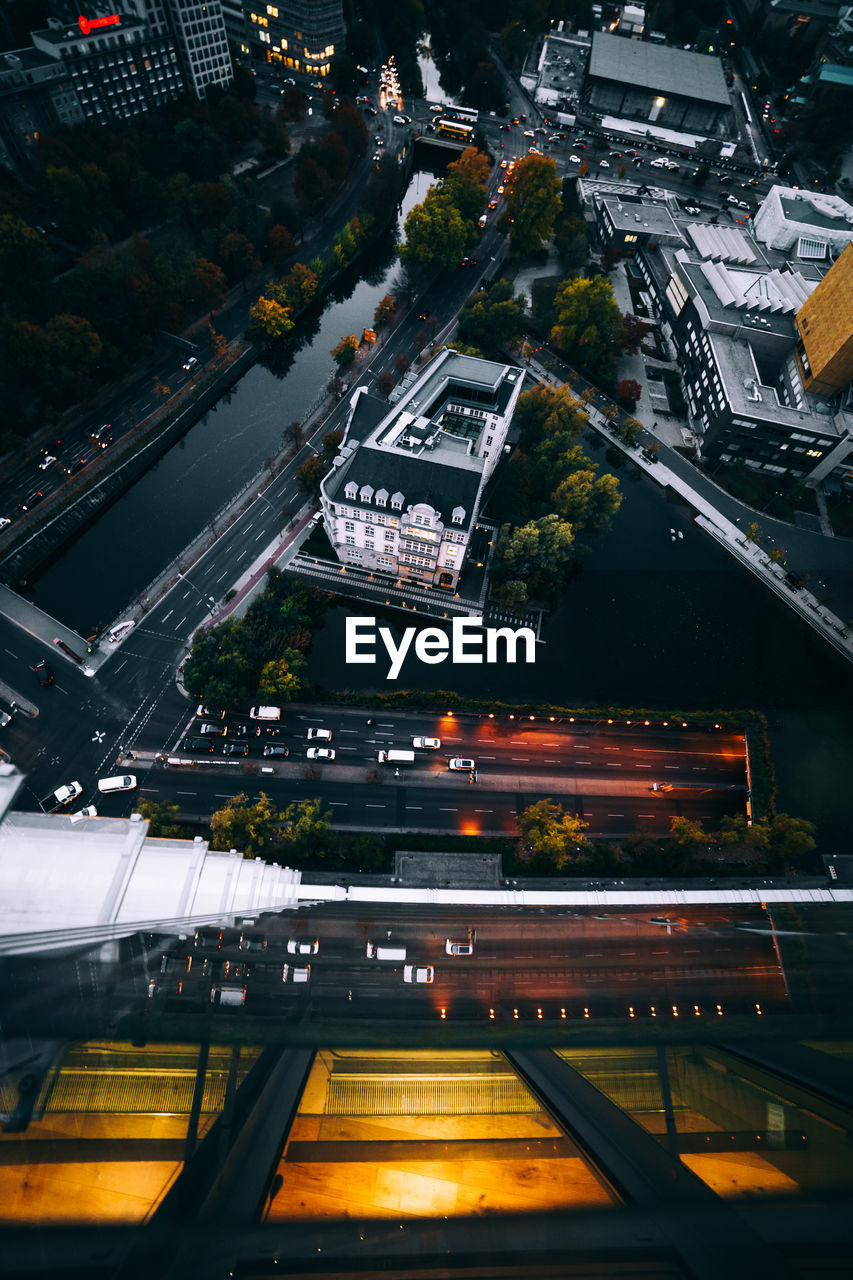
point(634, 963)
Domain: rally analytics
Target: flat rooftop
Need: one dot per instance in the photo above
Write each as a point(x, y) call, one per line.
point(658, 68)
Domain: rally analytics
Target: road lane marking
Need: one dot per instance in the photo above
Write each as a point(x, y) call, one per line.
point(589, 762)
point(11, 654)
point(356, 731)
point(520, 759)
point(374, 806)
point(414, 806)
point(614, 815)
point(180, 624)
point(484, 810)
point(550, 762)
point(192, 793)
point(488, 757)
point(612, 765)
point(260, 535)
point(222, 575)
point(448, 811)
point(168, 615)
point(248, 527)
point(339, 804)
point(643, 766)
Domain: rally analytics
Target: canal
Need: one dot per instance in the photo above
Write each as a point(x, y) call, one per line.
point(650, 621)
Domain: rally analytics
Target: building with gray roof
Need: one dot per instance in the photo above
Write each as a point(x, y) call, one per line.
point(817, 225)
point(663, 85)
point(403, 495)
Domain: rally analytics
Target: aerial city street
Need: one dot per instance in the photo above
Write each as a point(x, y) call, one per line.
point(426, 636)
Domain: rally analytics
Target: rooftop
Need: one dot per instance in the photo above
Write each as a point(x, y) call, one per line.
point(826, 212)
point(751, 397)
point(642, 217)
point(659, 68)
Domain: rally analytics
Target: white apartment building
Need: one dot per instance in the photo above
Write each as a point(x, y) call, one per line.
point(815, 225)
point(403, 496)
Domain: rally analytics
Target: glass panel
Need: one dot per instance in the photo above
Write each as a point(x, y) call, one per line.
point(742, 1130)
point(109, 1129)
point(425, 1134)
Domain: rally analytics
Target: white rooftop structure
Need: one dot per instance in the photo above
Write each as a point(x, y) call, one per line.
point(789, 215)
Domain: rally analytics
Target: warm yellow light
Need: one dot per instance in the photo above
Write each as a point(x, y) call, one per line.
point(659, 102)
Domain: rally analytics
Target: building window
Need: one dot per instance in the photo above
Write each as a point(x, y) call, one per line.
point(350, 542)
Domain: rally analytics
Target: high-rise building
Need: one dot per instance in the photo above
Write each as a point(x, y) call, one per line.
point(825, 330)
point(303, 35)
point(198, 28)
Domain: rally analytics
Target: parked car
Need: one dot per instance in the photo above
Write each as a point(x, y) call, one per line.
point(303, 946)
point(199, 744)
point(320, 753)
point(209, 713)
point(461, 948)
point(235, 749)
point(88, 811)
point(458, 764)
point(692, 209)
point(247, 731)
point(44, 671)
point(213, 728)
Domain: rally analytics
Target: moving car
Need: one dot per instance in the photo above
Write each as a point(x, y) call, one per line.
point(427, 744)
point(461, 948)
point(102, 436)
point(213, 728)
point(324, 735)
point(189, 365)
point(235, 749)
point(303, 946)
point(457, 764)
point(296, 975)
point(44, 671)
point(199, 744)
point(47, 461)
point(604, 164)
point(276, 752)
point(123, 782)
point(35, 496)
point(320, 753)
point(4, 520)
point(209, 713)
point(412, 973)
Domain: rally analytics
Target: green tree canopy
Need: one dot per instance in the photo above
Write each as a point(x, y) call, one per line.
point(549, 833)
point(345, 352)
point(281, 678)
point(467, 182)
point(589, 328)
point(270, 318)
point(531, 203)
point(491, 318)
point(435, 233)
point(539, 553)
point(250, 827)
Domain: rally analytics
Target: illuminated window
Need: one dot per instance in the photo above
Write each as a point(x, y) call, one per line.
point(272, 11)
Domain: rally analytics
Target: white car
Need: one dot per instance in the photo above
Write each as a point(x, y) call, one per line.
point(88, 811)
point(399, 119)
point(604, 164)
point(411, 973)
point(4, 520)
point(47, 461)
point(190, 364)
point(296, 975)
point(320, 753)
point(460, 948)
point(297, 947)
point(427, 744)
point(124, 782)
point(458, 764)
point(692, 208)
point(324, 735)
point(574, 159)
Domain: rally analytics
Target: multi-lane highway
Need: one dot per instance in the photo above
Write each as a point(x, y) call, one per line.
point(634, 963)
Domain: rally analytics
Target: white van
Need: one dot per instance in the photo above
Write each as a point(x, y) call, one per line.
point(385, 953)
point(482, 220)
point(228, 995)
point(396, 757)
point(126, 782)
point(265, 713)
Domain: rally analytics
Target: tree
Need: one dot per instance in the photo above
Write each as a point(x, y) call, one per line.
point(249, 827)
point(281, 678)
point(587, 500)
point(588, 331)
point(384, 312)
point(539, 553)
point(305, 831)
point(297, 288)
point(629, 430)
point(162, 820)
point(752, 532)
point(345, 352)
point(685, 831)
point(161, 391)
point(778, 555)
point(294, 433)
point(512, 594)
point(467, 182)
point(270, 318)
point(490, 319)
point(208, 284)
point(628, 392)
point(332, 442)
point(402, 363)
point(791, 837)
point(385, 382)
point(310, 475)
point(23, 254)
point(548, 832)
point(280, 244)
point(435, 233)
point(634, 333)
point(237, 255)
point(531, 204)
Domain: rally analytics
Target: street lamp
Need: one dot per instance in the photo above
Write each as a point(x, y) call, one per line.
point(267, 501)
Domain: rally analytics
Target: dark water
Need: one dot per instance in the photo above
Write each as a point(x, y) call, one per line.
point(649, 622)
point(116, 558)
